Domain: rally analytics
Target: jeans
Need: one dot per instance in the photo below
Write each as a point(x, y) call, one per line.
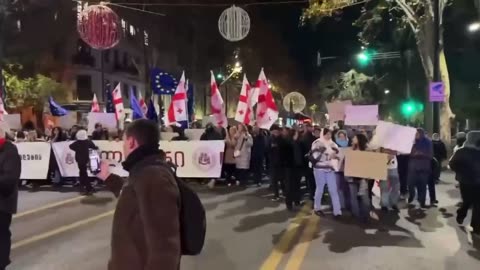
point(5, 239)
point(359, 204)
point(322, 178)
point(431, 189)
point(471, 199)
point(390, 189)
point(417, 183)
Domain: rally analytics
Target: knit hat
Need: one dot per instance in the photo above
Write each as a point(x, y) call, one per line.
point(81, 135)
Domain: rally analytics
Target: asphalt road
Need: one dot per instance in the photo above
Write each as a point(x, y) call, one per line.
point(61, 231)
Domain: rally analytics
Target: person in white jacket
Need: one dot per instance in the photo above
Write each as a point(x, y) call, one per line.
point(324, 159)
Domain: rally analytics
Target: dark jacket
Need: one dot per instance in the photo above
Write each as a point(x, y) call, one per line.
point(439, 150)
point(258, 148)
point(306, 144)
point(81, 150)
point(10, 169)
point(466, 164)
point(146, 223)
point(287, 159)
point(275, 156)
point(211, 134)
point(99, 135)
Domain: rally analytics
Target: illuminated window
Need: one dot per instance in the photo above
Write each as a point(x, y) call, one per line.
point(124, 25)
point(145, 37)
point(132, 30)
point(19, 25)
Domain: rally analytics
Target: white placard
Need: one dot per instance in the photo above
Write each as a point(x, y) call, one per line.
point(195, 159)
point(107, 120)
point(361, 115)
point(336, 110)
point(394, 137)
point(35, 158)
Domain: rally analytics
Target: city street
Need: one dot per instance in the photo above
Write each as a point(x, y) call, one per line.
point(61, 231)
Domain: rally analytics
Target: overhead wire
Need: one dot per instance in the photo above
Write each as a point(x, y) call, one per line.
point(216, 4)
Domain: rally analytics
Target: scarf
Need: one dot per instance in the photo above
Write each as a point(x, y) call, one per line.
point(139, 154)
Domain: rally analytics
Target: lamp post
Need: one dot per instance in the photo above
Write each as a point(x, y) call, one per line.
point(473, 27)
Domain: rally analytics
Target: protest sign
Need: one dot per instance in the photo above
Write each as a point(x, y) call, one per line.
point(336, 110)
point(35, 158)
point(194, 159)
point(368, 165)
point(107, 120)
point(394, 137)
point(361, 115)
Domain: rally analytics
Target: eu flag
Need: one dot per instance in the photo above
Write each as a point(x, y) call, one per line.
point(162, 82)
point(55, 109)
point(135, 106)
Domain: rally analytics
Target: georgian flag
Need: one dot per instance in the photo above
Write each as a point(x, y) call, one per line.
point(118, 101)
point(267, 112)
point(216, 104)
point(95, 105)
point(244, 107)
point(177, 111)
point(142, 103)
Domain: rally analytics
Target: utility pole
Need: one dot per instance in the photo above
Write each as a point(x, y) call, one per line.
point(436, 63)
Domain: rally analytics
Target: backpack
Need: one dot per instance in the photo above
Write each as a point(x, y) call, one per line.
point(193, 221)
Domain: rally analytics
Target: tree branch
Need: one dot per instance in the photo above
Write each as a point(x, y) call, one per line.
point(412, 17)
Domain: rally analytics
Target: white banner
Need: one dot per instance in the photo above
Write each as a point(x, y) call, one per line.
point(35, 158)
point(195, 159)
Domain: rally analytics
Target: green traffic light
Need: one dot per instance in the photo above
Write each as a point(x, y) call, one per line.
point(219, 76)
point(411, 108)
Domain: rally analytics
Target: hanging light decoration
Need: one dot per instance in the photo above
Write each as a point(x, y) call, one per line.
point(98, 26)
point(234, 24)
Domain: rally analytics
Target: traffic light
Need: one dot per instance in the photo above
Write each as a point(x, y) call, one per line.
point(365, 57)
point(220, 76)
point(411, 108)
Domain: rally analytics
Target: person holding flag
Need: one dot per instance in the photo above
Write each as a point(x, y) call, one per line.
point(177, 112)
point(243, 108)
point(267, 112)
point(216, 104)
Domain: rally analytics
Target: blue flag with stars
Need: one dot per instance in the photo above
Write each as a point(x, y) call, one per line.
point(162, 82)
point(55, 109)
point(135, 106)
point(109, 107)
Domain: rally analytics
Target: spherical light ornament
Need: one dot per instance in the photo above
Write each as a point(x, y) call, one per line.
point(234, 24)
point(98, 26)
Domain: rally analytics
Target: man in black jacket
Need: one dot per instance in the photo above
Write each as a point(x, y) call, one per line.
point(306, 142)
point(276, 163)
point(81, 147)
point(466, 164)
point(10, 168)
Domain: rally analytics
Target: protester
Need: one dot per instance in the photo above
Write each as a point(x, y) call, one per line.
point(307, 140)
point(81, 147)
point(146, 224)
point(360, 202)
point(258, 154)
point(466, 164)
point(211, 134)
point(293, 178)
point(242, 153)
point(342, 141)
point(323, 157)
point(10, 167)
point(98, 134)
point(20, 136)
point(420, 168)
point(54, 171)
point(461, 138)
point(276, 166)
point(390, 187)
point(73, 132)
point(439, 149)
point(229, 160)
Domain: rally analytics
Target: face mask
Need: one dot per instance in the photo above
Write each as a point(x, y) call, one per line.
point(342, 143)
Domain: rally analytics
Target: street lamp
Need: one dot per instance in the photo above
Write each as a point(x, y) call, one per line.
point(474, 27)
point(387, 91)
point(236, 69)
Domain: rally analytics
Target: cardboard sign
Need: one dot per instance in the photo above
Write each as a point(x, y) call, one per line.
point(336, 110)
point(364, 115)
point(367, 165)
point(394, 137)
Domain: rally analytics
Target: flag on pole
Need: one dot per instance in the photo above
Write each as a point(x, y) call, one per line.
point(137, 112)
point(109, 107)
point(55, 109)
point(216, 104)
point(243, 108)
point(177, 112)
point(2, 109)
point(151, 112)
point(142, 103)
point(117, 101)
point(95, 105)
point(267, 112)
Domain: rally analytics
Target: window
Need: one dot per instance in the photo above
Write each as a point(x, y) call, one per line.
point(106, 56)
point(107, 87)
point(115, 57)
point(132, 30)
point(145, 37)
point(19, 25)
point(84, 87)
point(124, 26)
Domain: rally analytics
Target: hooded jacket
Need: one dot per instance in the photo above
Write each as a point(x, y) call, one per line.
point(81, 147)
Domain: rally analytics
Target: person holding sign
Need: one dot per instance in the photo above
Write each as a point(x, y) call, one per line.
point(390, 187)
point(324, 159)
